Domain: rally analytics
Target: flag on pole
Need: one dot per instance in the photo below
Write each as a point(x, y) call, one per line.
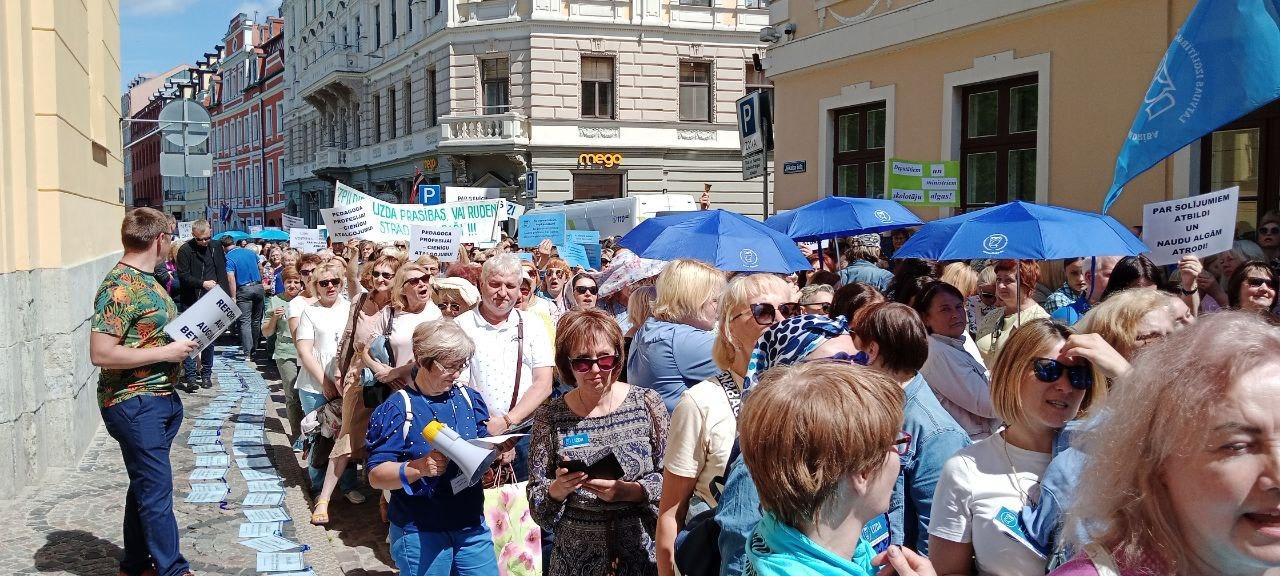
point(414, 192)
point(1223, 64)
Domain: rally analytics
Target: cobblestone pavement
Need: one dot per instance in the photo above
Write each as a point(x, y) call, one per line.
point(71, 525)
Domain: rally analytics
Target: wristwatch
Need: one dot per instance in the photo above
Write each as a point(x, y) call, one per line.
point(1186, 292)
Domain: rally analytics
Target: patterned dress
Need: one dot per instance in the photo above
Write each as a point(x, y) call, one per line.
point(594, 537)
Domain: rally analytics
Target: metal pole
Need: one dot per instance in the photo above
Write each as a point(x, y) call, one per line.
point(764, 202)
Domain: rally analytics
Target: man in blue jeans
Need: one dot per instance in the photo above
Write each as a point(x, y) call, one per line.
point(136, 390)
point(245, 279)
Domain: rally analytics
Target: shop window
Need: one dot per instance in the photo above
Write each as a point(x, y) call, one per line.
point(998, 142)
point(597, 87)
point(859, 151)
point(1245, 153)
point(495, 76)
point(695, 91)
point(595, 186)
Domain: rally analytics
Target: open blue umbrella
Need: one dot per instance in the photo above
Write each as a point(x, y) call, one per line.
point(842, 216)
point(234, 234)
point(726, 240)
point(271, 234)
point(1021, 230)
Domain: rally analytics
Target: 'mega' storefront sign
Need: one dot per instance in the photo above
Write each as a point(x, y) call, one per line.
point(605, 159)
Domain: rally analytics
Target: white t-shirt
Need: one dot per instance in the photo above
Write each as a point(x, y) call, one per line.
point(324, 327)
point(701, 436)
point(976, 483)
point(492, 370)
point(402, 327)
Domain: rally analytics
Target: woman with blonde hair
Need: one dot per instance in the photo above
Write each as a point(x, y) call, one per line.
point(705, 421)
point(390, 356)
point(1037, 387)
point(827, 473)
point(961, 276)
point(1182, 473)
point(672, 351)
point(1131, 319)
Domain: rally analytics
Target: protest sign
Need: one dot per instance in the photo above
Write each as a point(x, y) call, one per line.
point(915, 183)
point(1200, 225)
point(349, 220)
point(254, 229)
point(388, 222)
point(306, 240)
point(590, 241)
point(204, 320)
point(438, 241)
point(534, 228)
point(468, 194)
point(184, 231)
point(575, 255)
point(288, 222)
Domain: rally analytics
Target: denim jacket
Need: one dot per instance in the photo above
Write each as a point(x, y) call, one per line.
point(1042, 521)
point(737, 513)
point(868, 272)
point(935, 437)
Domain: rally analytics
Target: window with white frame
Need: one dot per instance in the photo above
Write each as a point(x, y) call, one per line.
point(496, 85)
point(597, 87)
point(695, 91)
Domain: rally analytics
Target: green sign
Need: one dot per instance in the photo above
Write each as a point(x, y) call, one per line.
point(914, 183)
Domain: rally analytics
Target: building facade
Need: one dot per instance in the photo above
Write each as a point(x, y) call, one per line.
point(247, 134)
point(1033, 98)
point(61, 184)
point(602, 98)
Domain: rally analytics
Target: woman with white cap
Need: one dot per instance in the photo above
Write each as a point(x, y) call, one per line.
point(454, 295)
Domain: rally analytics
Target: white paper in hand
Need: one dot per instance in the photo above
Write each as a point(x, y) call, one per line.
point(204, 320)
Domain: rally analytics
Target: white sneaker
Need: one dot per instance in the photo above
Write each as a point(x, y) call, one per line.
point(355, 497)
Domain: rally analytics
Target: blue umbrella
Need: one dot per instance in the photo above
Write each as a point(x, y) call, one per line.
point(726, 240)
point(271, 234)
point(1020, 230)
point(842, 216)
point(234, 234)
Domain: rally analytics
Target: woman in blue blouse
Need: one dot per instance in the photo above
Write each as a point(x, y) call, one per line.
point(437, 520)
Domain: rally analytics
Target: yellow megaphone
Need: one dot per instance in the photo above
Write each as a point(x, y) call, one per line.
point(472, 460)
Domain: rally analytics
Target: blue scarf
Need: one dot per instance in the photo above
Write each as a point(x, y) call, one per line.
point(789, 341)
point(778, 549)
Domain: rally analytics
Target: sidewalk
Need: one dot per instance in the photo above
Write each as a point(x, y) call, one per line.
point(72, 524)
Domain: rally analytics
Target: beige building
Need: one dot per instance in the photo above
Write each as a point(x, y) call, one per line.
point(1033, 98)
point(479, 93)
point(61, 182)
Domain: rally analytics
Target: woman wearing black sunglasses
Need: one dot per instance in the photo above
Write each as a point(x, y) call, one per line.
point(1252, 288)
point(1037, 388)
point(583, 293)
point(595, 456)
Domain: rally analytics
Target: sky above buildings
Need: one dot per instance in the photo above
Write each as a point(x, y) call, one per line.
point(156, 35)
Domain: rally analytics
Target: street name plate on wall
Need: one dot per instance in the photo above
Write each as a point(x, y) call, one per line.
point(794, 167)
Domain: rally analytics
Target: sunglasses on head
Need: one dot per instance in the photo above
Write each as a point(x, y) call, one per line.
point(861, 358)
point(585, 289)
point(1049, 371)
point(766, 313)
point(328, 283)
point(386, 275)
point(1255, 282)
point(606, 363)
point(416, 280)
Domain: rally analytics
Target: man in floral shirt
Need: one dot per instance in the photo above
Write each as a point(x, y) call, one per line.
point(135, 390)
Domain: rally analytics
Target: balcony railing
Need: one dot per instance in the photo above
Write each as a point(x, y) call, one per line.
point(497, 129)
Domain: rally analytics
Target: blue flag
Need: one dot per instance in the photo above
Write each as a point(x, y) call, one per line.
point(1223, 64)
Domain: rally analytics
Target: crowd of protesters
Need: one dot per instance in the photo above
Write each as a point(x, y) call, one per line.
point(1092, 416)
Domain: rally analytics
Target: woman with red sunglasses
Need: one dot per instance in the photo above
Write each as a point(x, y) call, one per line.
point(595, 456)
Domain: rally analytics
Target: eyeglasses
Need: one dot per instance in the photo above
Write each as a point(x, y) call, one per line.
point(427, 362)
point(766, 313)
point(1269, 230)
point(557, 274)
point(329, 282)
point(1255, 282)
point(1048, 371)
point(825, 307)
point(903, 444)
point(386, 275)
point(416, 280)
point(306, 271)
point(606, 363)
point(203, 238)
point(584, 289)
point(451, 306)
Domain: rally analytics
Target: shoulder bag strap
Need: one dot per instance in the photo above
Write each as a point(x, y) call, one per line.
point(386, 335)
point(515, 390)
point(408, 414)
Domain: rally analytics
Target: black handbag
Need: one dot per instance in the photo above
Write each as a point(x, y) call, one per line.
point(698, 545)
